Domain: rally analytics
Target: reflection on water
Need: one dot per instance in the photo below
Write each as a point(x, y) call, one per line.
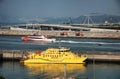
point(56, 70)
point(16, 70)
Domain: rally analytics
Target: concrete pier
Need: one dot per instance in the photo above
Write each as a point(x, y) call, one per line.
point(13, 54)
point(82, 34)
point(96, 56)
point(113, 57)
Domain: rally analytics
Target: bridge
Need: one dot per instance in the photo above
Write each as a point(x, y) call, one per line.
point(48, 27)
point(57, 27)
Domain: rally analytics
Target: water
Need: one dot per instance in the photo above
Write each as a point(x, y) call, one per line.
point(76, 44)
point(16, 70)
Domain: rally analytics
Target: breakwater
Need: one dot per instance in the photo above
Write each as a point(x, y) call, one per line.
point(96, 56)
point(82, 34)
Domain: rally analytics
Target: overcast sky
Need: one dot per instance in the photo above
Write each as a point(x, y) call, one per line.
point(57, 8)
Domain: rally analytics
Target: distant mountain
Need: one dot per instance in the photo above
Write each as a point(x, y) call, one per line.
point(93, 18)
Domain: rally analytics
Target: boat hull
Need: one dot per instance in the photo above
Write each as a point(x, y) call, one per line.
point(38, 40)
point(62, 61)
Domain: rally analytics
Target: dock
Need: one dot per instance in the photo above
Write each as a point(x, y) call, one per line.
point(81, 34)
point(61, 30)
point(113, 57)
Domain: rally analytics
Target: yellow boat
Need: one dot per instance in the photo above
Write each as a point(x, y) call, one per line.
point(54, 55)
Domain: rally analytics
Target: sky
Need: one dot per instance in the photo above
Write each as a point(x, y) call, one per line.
point(57, 8)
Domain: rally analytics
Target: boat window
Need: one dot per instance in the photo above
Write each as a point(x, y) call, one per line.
point(67, 50)
point(38, 38)
point(64, 50)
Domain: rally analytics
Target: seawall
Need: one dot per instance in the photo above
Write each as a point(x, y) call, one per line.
point(96, 56)
point(111, 57)
point(82, 34)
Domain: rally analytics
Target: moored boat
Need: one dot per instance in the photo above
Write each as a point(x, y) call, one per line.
point(54, 55)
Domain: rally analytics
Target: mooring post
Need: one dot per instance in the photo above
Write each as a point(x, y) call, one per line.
point(12, 55)
point(1, 56)
point(23, 52)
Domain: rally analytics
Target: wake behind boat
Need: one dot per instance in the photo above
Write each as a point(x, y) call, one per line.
point(38, 38)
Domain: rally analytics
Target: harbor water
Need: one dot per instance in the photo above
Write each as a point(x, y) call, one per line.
point(76, 44)
point(17, 70)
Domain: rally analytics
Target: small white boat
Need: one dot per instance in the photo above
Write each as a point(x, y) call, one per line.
point(38, 38)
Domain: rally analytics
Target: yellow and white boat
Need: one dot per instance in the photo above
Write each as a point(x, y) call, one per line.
point(54, 55)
